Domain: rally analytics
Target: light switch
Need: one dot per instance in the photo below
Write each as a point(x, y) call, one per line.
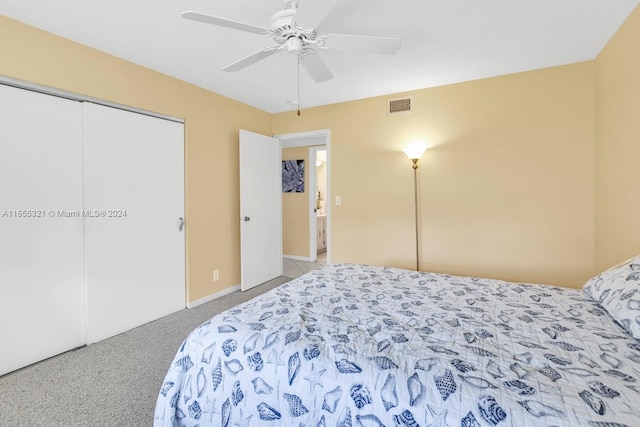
point(338, 200)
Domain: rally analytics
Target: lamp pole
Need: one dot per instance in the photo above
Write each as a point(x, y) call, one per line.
point(415, 204)
point(414, 152)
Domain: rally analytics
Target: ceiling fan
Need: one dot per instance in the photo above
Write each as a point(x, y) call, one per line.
point(295, 28)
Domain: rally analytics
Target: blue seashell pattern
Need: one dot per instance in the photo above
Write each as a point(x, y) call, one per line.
point(296, 408)
point(268, 413)
point(360, 394)
point(358, 346)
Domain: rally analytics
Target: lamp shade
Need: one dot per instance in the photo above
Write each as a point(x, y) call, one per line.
point(415, 151)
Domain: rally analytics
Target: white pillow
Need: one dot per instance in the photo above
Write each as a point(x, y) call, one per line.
point(618, 291)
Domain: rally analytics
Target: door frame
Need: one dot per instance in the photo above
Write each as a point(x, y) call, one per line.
point(309, 139)
point(313, 183)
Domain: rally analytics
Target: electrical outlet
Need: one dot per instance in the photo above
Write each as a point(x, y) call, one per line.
point(216, 275)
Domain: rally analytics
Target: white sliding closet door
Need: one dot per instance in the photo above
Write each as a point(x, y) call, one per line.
point(41, 260)
point(135, 260)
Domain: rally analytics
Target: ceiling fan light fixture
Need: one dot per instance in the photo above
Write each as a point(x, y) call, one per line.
point(294, 44)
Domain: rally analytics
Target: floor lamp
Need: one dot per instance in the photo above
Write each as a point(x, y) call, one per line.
point(414, 152)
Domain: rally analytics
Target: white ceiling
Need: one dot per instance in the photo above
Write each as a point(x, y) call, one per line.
point(444, 41)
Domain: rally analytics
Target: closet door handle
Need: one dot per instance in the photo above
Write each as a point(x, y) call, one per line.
point(180, 224)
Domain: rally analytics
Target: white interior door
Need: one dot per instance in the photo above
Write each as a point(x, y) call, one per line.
point(134, 248)
point(260, 209)
point(41, 260)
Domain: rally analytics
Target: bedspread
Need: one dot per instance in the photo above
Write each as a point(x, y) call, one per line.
point(354, 345)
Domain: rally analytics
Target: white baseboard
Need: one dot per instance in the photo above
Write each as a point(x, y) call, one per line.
point(297, 258)
point(213, 296)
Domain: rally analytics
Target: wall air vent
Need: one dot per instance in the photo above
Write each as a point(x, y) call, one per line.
point(399, 105)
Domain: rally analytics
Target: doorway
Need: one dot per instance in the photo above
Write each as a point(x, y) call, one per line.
point(303, 239)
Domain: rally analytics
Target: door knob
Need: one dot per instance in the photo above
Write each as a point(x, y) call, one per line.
point(180, 223)
point(246, 219)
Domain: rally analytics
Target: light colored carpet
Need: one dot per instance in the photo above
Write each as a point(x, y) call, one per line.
point(114, 382)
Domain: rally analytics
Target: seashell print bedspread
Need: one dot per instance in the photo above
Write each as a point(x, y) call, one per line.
point(354, 345)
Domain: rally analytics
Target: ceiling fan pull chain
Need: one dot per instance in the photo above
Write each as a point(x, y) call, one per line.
point(298, 84)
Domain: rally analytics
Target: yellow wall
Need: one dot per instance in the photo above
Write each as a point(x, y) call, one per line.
point(506, 190)
point(295, 210)
point(211, 136)
point(618, 146)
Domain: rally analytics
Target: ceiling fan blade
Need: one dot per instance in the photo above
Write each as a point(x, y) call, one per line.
point(316, 67)
point(208, 19)
point(252, 59)
point(311, 13)
point(370, 44)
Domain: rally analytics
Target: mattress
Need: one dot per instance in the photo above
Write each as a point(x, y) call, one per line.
point(355, 345)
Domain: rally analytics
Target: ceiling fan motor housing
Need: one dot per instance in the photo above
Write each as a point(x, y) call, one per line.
point(282, 20)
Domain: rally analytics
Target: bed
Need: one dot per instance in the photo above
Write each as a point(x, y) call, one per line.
point(355, 345)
